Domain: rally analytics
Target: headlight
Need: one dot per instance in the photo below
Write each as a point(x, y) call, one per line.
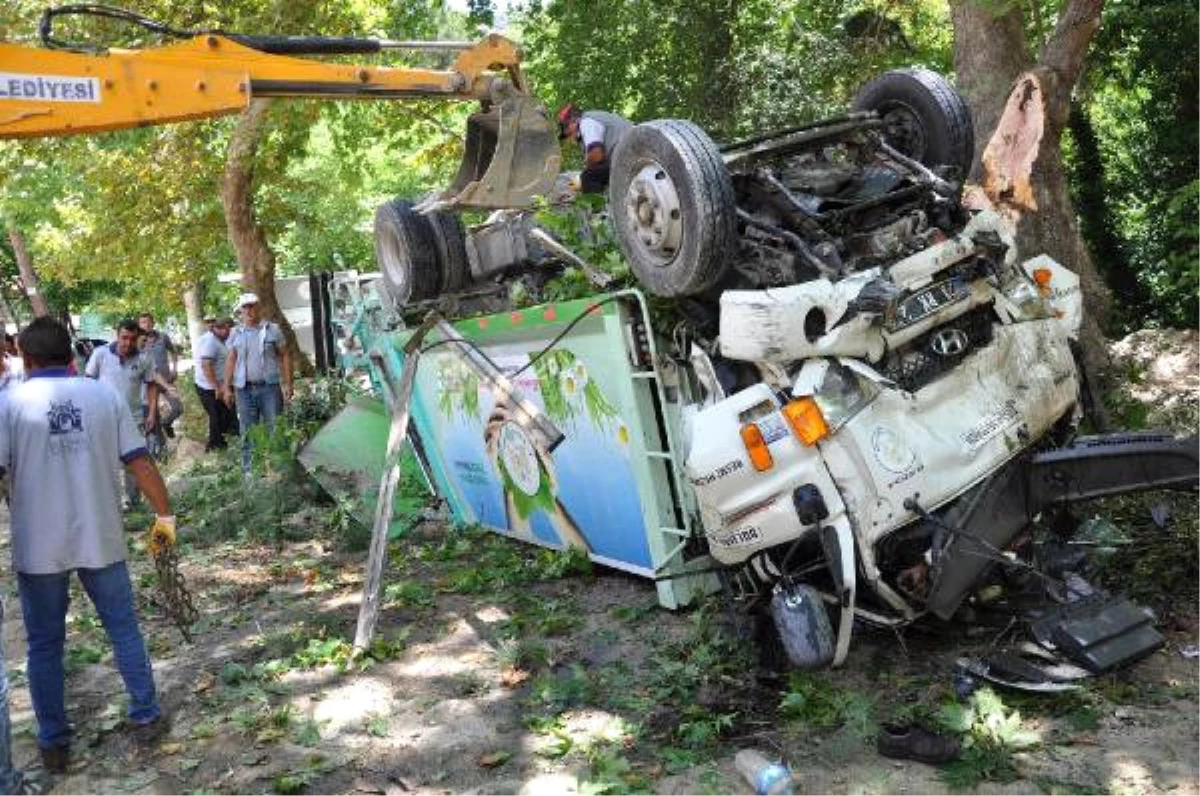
point(843, 394)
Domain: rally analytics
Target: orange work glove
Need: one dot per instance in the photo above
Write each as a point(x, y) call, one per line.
point(161, 534)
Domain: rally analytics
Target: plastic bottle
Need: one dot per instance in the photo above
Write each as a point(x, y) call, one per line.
point(764, 776)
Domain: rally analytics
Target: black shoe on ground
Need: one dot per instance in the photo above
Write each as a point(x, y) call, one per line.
point(151, 732)
point(914, 743)
point(55, 759)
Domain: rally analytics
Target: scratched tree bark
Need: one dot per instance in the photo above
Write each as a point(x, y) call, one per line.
point(1021, 105)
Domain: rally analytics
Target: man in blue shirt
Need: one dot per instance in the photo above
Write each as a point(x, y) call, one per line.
point(64, 434)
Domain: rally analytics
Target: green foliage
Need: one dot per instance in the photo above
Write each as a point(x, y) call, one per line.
point(734, 68)
point(1157, 564)
point(991, 732)
point(486, 562)
point(1140, 90)
point(79, 655)
point(279, 500)
point(814, 700)
point(701, 728)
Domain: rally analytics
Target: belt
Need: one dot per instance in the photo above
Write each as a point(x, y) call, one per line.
point(256, 384)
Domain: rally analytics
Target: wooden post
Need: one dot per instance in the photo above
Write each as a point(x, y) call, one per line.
point(398, 404)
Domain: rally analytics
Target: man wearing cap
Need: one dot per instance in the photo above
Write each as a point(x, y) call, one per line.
point(599, 133)
point(211, 355)
point(258, 372)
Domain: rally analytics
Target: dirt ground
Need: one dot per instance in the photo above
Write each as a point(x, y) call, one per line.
point(449, 714)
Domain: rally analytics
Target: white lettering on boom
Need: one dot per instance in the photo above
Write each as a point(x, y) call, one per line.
point(52, 88)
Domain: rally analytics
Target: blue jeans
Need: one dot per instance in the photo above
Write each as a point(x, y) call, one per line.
point(259, 403)
point(44, 600)
point(10, 777)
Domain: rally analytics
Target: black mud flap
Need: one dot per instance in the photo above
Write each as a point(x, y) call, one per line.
point(1099, 633)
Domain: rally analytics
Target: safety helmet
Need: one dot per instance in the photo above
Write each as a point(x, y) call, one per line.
point(565, 115)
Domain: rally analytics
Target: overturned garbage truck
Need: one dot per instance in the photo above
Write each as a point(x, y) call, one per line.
point(857, 401)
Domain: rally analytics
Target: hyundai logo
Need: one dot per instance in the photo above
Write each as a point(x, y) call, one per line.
point(949, 342)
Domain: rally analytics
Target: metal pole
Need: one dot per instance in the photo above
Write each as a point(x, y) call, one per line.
point(368, 612)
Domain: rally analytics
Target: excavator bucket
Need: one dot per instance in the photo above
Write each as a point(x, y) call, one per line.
point(511, 157)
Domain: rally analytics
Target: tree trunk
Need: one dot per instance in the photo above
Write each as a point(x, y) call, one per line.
point(1028, 110)
point(193, 300)
point(248, 237)
point(990, 51)
point(29, 280)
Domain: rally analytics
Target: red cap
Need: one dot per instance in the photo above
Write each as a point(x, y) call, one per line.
point(565, 114)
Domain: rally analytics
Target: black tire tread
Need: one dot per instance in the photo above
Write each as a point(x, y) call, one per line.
point(704, 185)
point(451, 241)
point(955, 134)
point(416, 234)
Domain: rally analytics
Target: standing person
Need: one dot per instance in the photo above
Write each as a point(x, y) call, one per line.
point(10, 374)
point(210, 385)
point(599, 133)
point(162, 352)
point(68, 432)
point(12, 358)
point(120, 365)
point(258, 372)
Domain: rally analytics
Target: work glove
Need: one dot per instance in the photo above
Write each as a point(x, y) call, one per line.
point(161, 534)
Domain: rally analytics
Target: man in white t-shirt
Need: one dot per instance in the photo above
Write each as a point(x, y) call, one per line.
point(59, 439)
point(122, 367)
point(210, 374)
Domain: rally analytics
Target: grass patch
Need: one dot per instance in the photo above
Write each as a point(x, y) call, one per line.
point(815, 701)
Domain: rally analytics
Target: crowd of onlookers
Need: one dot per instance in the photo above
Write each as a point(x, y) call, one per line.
point(76, 416)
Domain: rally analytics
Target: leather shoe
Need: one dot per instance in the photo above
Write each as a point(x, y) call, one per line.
point(915, 743)
point(150, 733)
point(56, 758)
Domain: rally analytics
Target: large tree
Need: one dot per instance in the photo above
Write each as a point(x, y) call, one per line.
point(1000, 76)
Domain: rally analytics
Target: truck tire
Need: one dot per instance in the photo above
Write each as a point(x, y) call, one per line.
point(672, 204)
point(406, 253)
point(924, 117)
point(451, 243)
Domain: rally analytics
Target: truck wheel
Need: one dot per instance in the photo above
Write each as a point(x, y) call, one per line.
point(672, 204)
point(406, 253)
point(923, 117)
point(451, 243)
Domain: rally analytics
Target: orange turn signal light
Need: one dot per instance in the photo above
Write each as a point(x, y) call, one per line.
point(756, 446)
point(806, 420)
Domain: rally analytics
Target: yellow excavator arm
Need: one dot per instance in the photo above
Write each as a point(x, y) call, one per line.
point(511, 155)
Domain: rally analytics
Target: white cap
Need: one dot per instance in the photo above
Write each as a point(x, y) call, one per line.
point(247, 298)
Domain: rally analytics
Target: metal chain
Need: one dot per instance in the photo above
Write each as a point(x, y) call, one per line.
point(174, 590)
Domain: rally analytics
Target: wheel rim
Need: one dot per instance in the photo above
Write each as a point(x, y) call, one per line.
point(392, 256)
point(653, 212)
point(903, 130)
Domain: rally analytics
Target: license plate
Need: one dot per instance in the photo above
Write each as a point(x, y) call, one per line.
point(922, 304)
